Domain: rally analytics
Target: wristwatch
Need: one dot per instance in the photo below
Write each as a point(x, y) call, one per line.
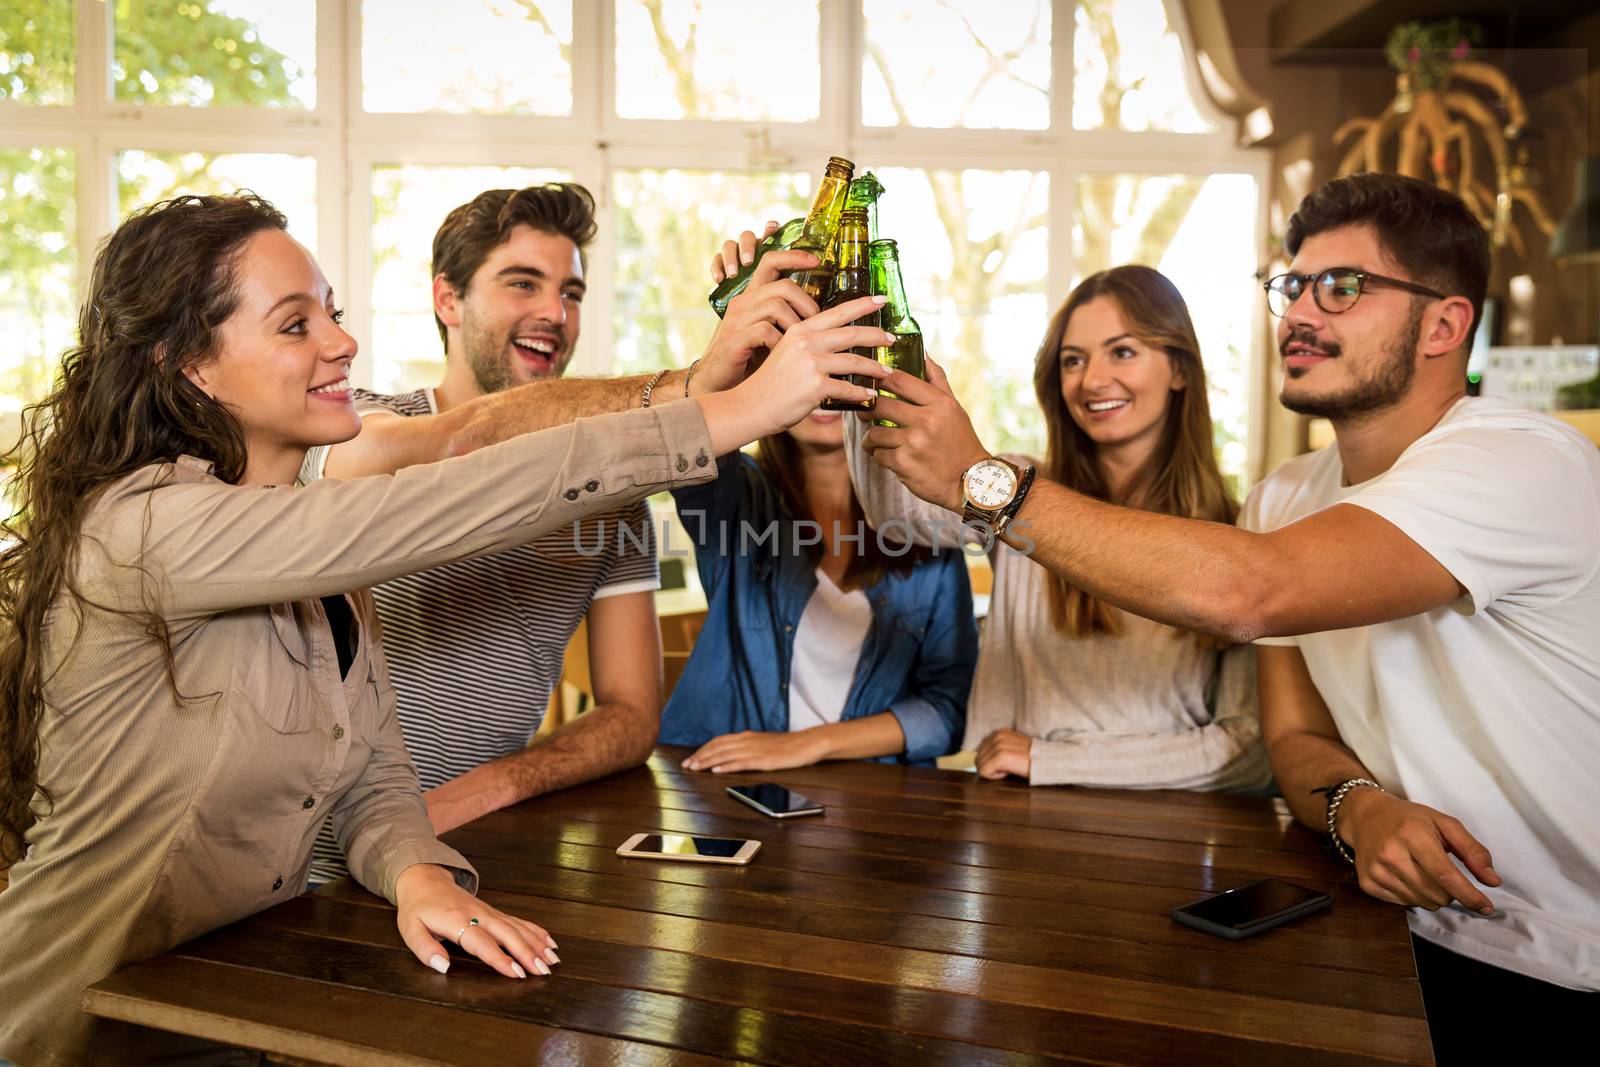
point(992, 491)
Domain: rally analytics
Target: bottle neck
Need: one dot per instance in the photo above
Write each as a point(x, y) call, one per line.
point(887, 281)
point(824, 217)
point(852, 248)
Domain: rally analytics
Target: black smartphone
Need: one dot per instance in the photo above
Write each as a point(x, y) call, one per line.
point(771, 799)
point(1250, 909)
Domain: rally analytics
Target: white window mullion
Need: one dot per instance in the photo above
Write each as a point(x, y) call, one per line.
point(596, 352)
point(1063, 26)
point(358, 302)
point(840, 27)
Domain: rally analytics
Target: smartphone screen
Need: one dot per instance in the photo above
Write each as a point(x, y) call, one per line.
point(1252, 904)
point(775, 798)
point(685, 845)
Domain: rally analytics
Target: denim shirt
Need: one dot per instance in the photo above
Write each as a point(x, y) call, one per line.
point(916, 660)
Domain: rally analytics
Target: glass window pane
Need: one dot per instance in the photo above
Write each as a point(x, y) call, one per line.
point(970, 63)
point(38, 39)
point(700, 60)
point(511, 57)
point(408, 204)
point(290, 182)
point(973, 245)
point(258, 53)
point(38, 305)
point(1128, 70)
point(669, 225)
point(1198, 230)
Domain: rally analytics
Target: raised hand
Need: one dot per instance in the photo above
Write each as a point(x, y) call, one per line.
point(757, 318)
point(798, 376)
point(933, 442)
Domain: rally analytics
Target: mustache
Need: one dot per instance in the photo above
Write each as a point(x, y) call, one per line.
point(541, 326)
point(1309, 339)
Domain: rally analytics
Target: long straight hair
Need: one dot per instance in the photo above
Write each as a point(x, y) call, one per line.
point(1181, 477)
point(162, 285)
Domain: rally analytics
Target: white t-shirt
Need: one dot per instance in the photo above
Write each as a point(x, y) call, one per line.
point(1487, 709)
point(827, 647)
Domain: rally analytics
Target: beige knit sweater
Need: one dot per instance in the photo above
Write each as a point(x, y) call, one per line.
point(1148, 708)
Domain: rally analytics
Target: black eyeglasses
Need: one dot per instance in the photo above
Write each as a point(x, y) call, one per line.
point(1335, 290)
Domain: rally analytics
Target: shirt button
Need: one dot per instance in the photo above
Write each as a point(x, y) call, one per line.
point(309, 803)
point(590, 486)
point(571, 494)
point(788, 629)
point(277, 884)
point(338, 732)
point(702, 459)
point(683, 464)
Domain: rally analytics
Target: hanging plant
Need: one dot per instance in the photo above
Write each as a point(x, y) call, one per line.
point(1425, 51)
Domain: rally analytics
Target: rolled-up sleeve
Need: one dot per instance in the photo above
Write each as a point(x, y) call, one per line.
point(933, 713)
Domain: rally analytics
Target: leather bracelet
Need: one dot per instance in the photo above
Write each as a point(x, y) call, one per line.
point(688, 376)
point(1336, 795)
point(1024, 483)
point(650, 386)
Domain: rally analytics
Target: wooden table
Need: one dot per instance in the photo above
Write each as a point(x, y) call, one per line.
point(928, 918)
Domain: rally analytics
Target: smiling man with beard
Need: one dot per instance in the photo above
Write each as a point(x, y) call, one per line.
point(1428, 592)
point(477, 648)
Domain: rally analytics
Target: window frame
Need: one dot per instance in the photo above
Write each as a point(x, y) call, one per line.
point(592, 142)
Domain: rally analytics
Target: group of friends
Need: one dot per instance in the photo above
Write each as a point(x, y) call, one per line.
point(258, 628)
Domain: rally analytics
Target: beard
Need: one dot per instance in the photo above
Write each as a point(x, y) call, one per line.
point(491, 363)
point(1389, 381)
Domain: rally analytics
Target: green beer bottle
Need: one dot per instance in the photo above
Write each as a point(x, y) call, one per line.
point(852, 279)
point(812, 234)
point(895, 316)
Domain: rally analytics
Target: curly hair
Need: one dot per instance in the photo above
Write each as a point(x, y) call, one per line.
point(162, 285)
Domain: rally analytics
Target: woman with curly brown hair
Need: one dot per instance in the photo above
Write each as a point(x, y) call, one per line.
point(190, 675)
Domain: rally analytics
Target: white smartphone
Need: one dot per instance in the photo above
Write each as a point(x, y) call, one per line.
point(771, 799)
point(689, 847)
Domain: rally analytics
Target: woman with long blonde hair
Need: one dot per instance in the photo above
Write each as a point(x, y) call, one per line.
point(1070, 690)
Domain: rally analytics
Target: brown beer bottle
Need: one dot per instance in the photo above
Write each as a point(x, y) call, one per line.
point(852, 279)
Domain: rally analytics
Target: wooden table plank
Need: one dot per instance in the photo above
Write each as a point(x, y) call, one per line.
point(1337, 939)
point(928, 916)
point(249, 1006)
point(1056, 1031)
point(1146, 1004)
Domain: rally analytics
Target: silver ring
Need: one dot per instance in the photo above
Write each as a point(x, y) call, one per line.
point(462, 932)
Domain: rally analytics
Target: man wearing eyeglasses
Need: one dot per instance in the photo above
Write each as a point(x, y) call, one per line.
point(1427, 592)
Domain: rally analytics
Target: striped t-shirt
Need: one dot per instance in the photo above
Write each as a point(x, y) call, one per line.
point(475, 648)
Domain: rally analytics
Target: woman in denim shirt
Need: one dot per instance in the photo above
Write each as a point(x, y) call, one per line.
point(817, 644)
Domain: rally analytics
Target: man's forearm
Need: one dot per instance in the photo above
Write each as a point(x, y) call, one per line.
point(1199, 576)
point(606, 739)
point(610, 738)
point(496, 417)
point(1303, 762)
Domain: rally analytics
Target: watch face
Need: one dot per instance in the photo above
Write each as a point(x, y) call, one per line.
point(990, 484)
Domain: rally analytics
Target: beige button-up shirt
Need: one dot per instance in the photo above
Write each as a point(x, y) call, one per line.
point(174, 814)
